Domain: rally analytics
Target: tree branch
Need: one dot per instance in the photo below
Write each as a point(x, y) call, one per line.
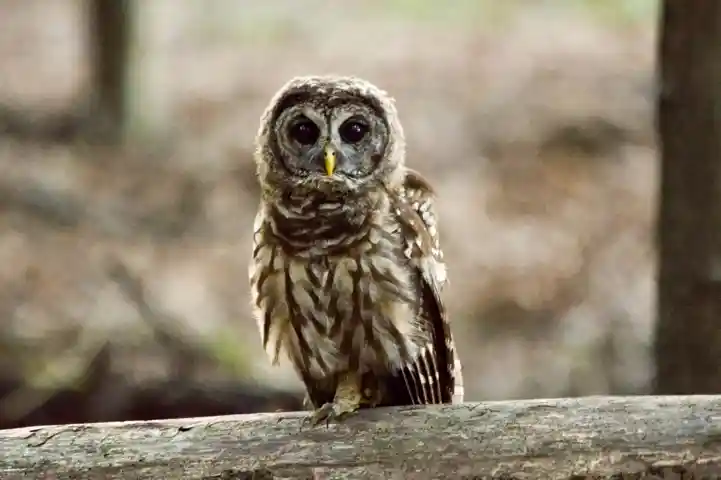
point(592, 437)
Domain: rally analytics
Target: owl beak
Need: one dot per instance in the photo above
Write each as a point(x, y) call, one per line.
point(330, 160)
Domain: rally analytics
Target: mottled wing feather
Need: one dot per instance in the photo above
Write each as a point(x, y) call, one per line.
point(434, 377)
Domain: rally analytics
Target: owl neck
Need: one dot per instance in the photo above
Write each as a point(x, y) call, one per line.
point(320, 223)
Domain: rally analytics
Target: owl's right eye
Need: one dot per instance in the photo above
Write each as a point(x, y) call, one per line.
point(304, 131)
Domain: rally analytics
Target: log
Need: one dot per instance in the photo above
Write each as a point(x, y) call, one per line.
point(590, 437)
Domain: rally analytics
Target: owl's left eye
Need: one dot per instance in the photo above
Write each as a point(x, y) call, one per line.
point(353, 131)
point(304, 131)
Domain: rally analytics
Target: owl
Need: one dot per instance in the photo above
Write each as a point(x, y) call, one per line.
point(346, 272)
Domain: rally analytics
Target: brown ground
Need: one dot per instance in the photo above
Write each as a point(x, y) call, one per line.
point(535, 126)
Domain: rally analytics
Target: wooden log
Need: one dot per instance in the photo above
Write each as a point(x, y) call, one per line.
point(591, 437)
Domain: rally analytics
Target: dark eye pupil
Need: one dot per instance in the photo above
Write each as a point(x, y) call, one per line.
point(353, 131)
point(304, 132)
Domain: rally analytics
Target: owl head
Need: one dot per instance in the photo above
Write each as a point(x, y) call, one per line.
point(330, 134)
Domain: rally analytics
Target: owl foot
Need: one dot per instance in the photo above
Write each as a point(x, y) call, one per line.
point(347, 400)
point(336, 411)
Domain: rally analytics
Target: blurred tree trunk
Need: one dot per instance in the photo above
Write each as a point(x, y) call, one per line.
point(130, 42)
point(110, 33)
point(688, 330)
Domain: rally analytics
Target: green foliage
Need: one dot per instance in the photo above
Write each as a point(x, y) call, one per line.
point(617, 11)
point(269, 26)
point(229, 353)
point(489, 12)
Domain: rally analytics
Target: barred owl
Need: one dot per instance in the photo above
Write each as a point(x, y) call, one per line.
point(347, 271)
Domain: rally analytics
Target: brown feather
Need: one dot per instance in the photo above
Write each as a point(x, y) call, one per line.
point(435, 375)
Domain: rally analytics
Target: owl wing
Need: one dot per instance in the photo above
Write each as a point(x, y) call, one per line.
point(435, 374)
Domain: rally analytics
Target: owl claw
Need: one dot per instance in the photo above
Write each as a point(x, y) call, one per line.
point(329, 411)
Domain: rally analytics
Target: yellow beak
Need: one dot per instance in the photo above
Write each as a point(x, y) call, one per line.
point(329, 160)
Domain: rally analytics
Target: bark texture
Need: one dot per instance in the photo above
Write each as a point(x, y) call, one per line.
point(592, 437)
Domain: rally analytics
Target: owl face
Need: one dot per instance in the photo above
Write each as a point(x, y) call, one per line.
point(344, 138)
point(338, 131)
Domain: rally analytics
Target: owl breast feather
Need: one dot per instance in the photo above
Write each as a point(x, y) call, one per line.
point(353, 311)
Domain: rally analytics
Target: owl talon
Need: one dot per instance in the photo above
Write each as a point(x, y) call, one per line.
point(328, 412)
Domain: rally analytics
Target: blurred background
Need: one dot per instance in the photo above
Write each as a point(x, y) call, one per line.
point(127, 191)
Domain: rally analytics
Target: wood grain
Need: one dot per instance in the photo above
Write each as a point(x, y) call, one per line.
point(591, 437)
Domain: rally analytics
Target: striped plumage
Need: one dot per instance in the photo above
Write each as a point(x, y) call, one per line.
point(347, 271)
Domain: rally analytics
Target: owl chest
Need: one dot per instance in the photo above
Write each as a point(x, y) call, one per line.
point(337, 295)
point(364, 315)
point(344, 312)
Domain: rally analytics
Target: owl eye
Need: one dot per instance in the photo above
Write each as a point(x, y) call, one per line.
point(304, 131)
point(353, 131)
